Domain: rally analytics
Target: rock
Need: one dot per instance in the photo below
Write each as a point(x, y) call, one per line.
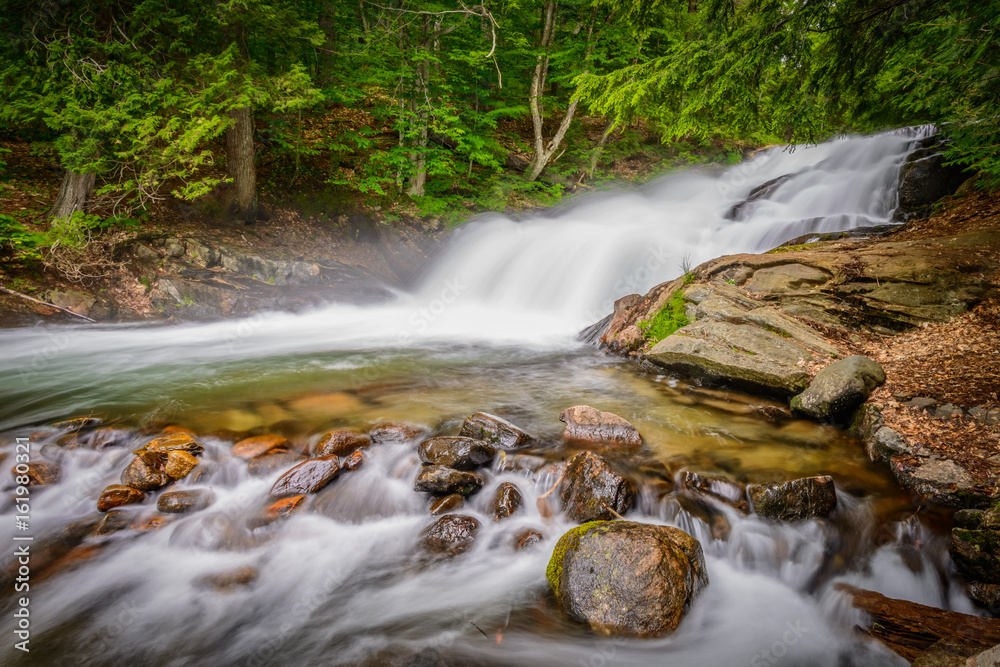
point(172, 442)
point(924, 179)
point(353, 461)
point(460, 453)
point(447, 504)
point(794, 500)
point(259, 445)
point(142, 476)
point(591, 425)
point(987, 595)
point(307, 477)
point(179, 464)
point(106, 437)
point(273, 462)
point(149, 522)
point(592, 491)
point(78, 301)
point(527, 538)
point(627, 578)
point(495, 430)
point(207, 255)
point(786, 279)
point(174, 248)
point(885, 444)
point(117, 495)
point(839, 388)
point(341, 443)
point(506, 501)
point(395, 432)
point(450, 535)
point(716, 487)
point(186, 500)
point(39, 473)
point(920, 403)
point(948, 411)
point(743, 209)
point(113, 522)
point(284, 507)
point(525, 462)
point(442, 480)
point(979, 413)
point(942, 481)
point(226, 582)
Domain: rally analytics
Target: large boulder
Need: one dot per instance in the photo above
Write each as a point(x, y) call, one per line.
point(839, 388)
point(495, 430)
point(925, 178)
point(456, 452)
point(975, 545)
point(592, 425)
point(795, 500)
point(592, 491)
point(443, 481)
point(627, 578)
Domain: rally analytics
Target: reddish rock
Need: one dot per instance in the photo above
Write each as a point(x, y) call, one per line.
point(174, 428)
point(179, 464)
point(226, 582)
point(117, 495)
point(307, 477)
point(140, 475)
point(284, 507)
point(114, 521)
point(259, 445)
point(185, 500)
point(591, 425)
point(447, 504)
point(78, 424)
point(450, 535)
point(148, 522)
point(341, 443)
point(39, 473)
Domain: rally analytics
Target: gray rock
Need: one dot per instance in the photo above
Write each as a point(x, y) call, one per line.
point(716, 308)
point(979, 413)
point(839, 388)
point(993, 417)
point(174, 248)
point(209, 256)
point(794, 500)
point(786, 279)
point(886, 443)
point(942, 481)
point(948, 411)
point(924, 179)
point(145, 252)
point(450, 535)
point(920, 403)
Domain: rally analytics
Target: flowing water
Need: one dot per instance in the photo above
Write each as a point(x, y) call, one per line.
point(492, 326)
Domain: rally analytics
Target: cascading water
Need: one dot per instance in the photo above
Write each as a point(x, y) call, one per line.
point(492, 327)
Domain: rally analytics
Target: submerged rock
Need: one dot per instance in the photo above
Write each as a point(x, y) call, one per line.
point(395, 432)
point(456, 452)
point(839, 388)
point(591, 425)
point(259, 445)
point(442, 480)
point(506, 501)
point(117, 495)
point(794, 500)
point(284, 507)
point(140, 475)
point(592, 491)
point(495, 430)
point(39, 473)
point(450, 535)
point(447, 504)
point(627, 578)
point(172, 442)
point(186, 500)
point(716, 487)
point(341, 443)
point(527, 538)
point(271, 462)
point(307, 477)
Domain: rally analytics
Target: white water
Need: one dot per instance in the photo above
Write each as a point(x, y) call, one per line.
point(506, 295)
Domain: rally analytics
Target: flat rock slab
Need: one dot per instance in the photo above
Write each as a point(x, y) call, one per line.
point(592, 425)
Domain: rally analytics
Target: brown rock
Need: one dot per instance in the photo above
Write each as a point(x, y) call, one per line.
point(179, 464)
point(506, 501)
point(441, 480)
point(527, 539)
point(140, 475)
point(148, 522)
point(106, 437)
point(39, 473)
point(117, 495)
point(716, 487)
point(185, 500)
point(591, 425)
point(307, 477)
point(226, 582)
point(273, 462)
point(259, 445)
point(353, 462)
point(114, 521)
point(78, 424)
point(172, 442)
point(395, 432)
point(447, 504)
point(284, 507)
point(456, 452)
point(795, 500)
point(592, 491)
point(495, 430)
point(174, 428)
point(341, 443)
point(450, 535)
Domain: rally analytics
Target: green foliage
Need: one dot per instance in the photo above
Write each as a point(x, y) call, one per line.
point(667, 320)
point(18, 239)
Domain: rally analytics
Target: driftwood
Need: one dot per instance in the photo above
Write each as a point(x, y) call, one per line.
point(46, 303)
point(909, 628)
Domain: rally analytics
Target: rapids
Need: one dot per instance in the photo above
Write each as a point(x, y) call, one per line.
point(491, 326)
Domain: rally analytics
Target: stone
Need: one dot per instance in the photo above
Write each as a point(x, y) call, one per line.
point(943, 481)
point(395, 432)
point(527, 538)
point(172, 442)
point(442, 480)
point(341, 443)
point(524, 462)
point(948, 411)
point(786, 279)
point(716, 487)
point(717, 308)
point(495, 430)
point(591, 425)
point(456, 452)
point(307, 477)
point(353, 461)
point(39, 473)
point(185, 500)
point(592, 491)
point(506, 501)
point(272, 462)
point(885, 444)
point(976, 554)
point(920, 403)
point(179, 464)
point(203, 253)
point(174, 248)
point(985, 594)
point(284, 507)
point(106, 437)
point(450, 535)
point(979, 413)
point(117, 495)
point(839, 388)
point(259, 445)
point(924, 179)
point(142, 476)
point(226, 582)
point(447, 503)
point(795, 500)
point(627, 578)
point(113, 522)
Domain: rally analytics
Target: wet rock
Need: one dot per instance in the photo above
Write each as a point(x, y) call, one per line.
point(795, 500)
point(284, 507)
point(743, 209)
point(353, 461)
point(186, 500)
point(173, 442)
point(716, 487)
point(839, 388)
point(450, 535)
point(592, 491)
point(506, 501)
point(977, 554)
point(113, 522)
point(106, 437)
point(527, 538)
point(924, 179)
point(495, 430)
point(117, 495)
point(78, 424)
point(458, 452)
point(341, 443)
point(38, 473)
point(627, 578)
point(307, 477)
point(441, 480)
point(259, 445)
point(272, 462)
point(525, 462)
point(395, 432)
point(988, 595)
point(142, 476)
point(943, 481)
point(226, 582)
point(591, 425)
point(886, 443)
point(447, 504)
point(179, 464)
point(150, 522)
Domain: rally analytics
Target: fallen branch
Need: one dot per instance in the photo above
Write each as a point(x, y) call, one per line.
point(46, 303)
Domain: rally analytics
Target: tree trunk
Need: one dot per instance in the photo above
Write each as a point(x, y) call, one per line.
point(74, 193)
point(240, 163)
point(421, 114)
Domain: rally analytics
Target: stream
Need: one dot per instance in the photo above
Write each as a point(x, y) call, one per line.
point(492, 326)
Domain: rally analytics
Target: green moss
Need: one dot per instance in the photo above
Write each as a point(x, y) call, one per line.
point(669, 319)
point(777, 331)
point(788, 248)
point(567, 543)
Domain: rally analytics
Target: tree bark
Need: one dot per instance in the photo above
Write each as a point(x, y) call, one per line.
point(240, 165)
point(420, 112)
point(74, 194)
